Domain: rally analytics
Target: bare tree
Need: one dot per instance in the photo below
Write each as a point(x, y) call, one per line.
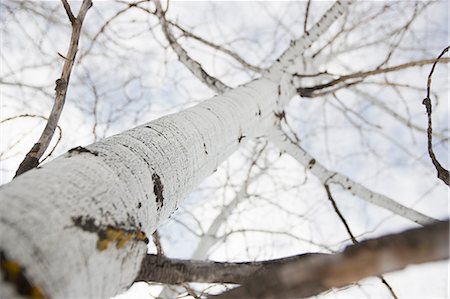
point(307, 119)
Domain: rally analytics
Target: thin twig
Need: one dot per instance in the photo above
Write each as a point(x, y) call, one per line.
point(68, 10)
point(442, 173)
point(220, 48)
point(194, 66)
point(306, 16)
point(158, 245)
point(352, 236)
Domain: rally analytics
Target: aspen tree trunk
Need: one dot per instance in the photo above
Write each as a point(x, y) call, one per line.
point(76, 227)
point(76, 224)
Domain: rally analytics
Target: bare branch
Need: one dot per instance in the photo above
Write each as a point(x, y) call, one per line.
point(174, 271)
point(217, 47)
point(68, 10)
point(308, 91)
point(31, 160)
point(193, 66)
point(326, 176)
point(158, 245)
point(306, 16)
point(442, 173)
point(352, 236)
point(316, 274)
point(290, 57)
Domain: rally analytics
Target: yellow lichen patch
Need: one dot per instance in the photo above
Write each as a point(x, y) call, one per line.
point(140, 236)
point(102, 244)
point(113, 234)
point(124, 240)
point(36, 293)
point(14, 273)
point(119, 236)
point(11, 270)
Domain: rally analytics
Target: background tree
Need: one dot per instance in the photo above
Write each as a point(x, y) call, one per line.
point(357, 129)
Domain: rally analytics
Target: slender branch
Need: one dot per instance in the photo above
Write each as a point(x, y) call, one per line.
point(306, 16)
point(338, 212)
point(316, 274)
point(31, 159)
point(326, 176)
point(41, 117)
point(174, 271)
point(308, 91)
point(68, 10)
point(108, 23)
point(158, 245)
point(194, 67)
point(383, 106)
point(292, 54)
point(442, 173)
point(352, 236)
point(220, 48)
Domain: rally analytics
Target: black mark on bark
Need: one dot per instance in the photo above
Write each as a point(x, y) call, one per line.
point(240, 138)
point(311, 163)
point(204, 146)
point(80, 149)
point(158, 189)
point(30, 160)
point(14, 273)
point(280, 115)
point(86, 223)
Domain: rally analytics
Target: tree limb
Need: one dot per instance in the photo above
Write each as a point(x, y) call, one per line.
point(194, 67)
point(308, 91)
point(326, 176)
point(175, 271)
point(316, 274)
point(68, 10)
point(31, 159)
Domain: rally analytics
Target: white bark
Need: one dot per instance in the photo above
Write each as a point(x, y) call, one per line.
point(76, 225)
point(113, 183)
point(326, 176)
point(209, 239)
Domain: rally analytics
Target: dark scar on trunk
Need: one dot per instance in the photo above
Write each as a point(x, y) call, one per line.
point(118, 234)
point(158, 189)
point(80, 149)
point(14, 273)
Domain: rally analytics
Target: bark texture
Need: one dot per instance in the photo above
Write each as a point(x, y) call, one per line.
point(97, 204)
point(77, 227)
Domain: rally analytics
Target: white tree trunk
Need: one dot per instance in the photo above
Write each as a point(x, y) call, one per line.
point(115, 190)
point(76, 227)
